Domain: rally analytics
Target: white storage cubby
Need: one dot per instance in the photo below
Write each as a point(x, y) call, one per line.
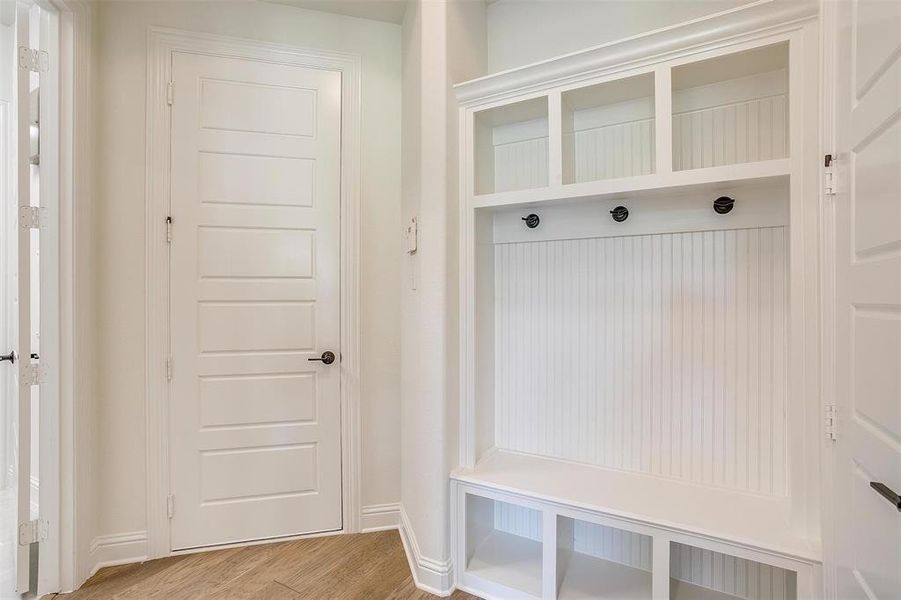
point(596, 562)
point(731, 109)
point(608, 130)
point(651, 374)
point(504, 545)
point(511, 147)
point(699, 574)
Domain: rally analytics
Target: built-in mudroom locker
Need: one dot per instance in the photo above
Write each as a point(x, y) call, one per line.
point(637, 418)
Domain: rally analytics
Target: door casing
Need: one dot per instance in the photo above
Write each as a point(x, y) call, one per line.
point(162, 43)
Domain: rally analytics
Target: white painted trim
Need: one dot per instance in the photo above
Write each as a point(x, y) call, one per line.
point(755, 19)
point(75, 189)
point(162, 43)
point(429, 575)
point(48, 495)
point(379, 517)
point(118, 549)
point(827, 49)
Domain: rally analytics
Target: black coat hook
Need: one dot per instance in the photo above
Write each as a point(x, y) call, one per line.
point(723, 205)
point(620, 214)
point(531, 220)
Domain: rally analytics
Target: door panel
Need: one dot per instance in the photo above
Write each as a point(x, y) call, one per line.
point(230, 179)
point(868, 298)
point(255, 424)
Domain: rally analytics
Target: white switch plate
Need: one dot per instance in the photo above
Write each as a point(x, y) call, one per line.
point(410, 235)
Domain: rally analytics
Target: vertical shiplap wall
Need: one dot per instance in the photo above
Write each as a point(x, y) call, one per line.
point(733, 133)
point(661, 354)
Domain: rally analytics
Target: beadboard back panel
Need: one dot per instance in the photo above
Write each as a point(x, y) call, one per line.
point(660, 354)
point(618, 150)
point(733, 133)
point(520, 164)
point(518, 520)
point(612, 544)
point(731, 575)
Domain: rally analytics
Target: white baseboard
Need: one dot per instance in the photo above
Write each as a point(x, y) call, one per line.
point(432, 576)
point(118, 549)
point(379, 517)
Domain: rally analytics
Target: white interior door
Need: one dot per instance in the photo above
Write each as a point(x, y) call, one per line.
point(254, 263)
point(868, 299)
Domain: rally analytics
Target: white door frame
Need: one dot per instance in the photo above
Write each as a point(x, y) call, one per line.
point(162, 43)
point(61, 566)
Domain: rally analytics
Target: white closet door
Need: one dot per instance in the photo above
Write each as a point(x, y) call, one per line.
point(868, 300)
point(255, 418)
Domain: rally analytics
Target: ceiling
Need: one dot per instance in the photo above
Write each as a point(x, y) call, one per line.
point(391, 11)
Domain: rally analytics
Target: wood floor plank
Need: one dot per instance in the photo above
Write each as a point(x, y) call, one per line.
point(287, 558)
point(109, 581)
point(369, 566)
point(276, 591)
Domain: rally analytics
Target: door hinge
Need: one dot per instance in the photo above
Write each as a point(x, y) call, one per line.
point(831, 422)
point(829, 177)
point(169, 230)
point(170, 505)
point(170, 93)
point(37, 61)
point(30, 217)
point(168, 368)
point(33, 531)
point(31, 375)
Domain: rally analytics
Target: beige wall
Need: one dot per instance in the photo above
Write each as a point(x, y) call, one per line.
point(444, 42)
point(521, 32)
point(122, 42)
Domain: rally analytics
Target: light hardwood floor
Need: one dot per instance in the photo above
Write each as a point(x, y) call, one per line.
point(367, 566)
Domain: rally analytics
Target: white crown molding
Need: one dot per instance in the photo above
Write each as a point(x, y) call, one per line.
point(755, 19)
point(430, 575)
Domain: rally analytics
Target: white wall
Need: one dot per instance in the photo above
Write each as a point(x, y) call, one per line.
point(122, 41)
point(443, 42)
point(521, 32)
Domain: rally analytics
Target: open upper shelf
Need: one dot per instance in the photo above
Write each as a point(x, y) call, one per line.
point(511, 147)
point(748, 519)
point(677, 124)
point(608, 130)
point(731, 109)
